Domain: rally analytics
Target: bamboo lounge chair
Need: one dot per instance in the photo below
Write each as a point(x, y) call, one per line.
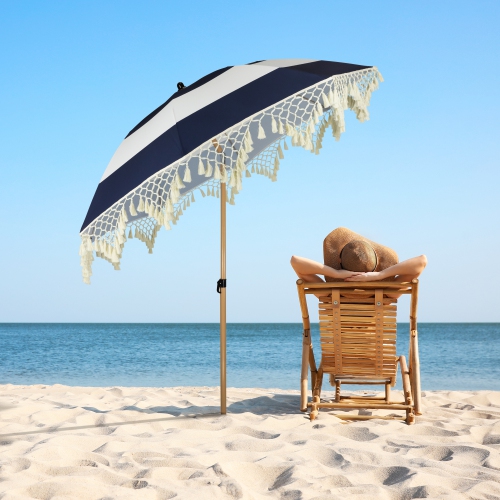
point(357, 322)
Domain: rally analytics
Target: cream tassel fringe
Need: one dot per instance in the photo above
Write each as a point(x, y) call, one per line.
point(121, 225)
point(158, 215)
point(187, 174)
point(243, 155)
point(247, 146)
point(209, 171)
point(174, 193)
point(124, 214)
point(201, 168)
point(132, 209)
point(310, 127)
point(224, 174)
point(274, 128)
point(248, 137)
point(217, 175)
point(140, 208)
point(152, 211)
point(240, 164)
point(178, 182)
point(261, 134)
point(169, 210)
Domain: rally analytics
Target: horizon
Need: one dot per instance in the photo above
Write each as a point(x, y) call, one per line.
point(229, 323)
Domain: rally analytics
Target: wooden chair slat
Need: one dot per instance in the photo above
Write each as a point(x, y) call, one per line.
point(358, 331)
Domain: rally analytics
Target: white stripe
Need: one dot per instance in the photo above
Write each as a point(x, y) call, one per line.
point(183, 106)
point(285, 63)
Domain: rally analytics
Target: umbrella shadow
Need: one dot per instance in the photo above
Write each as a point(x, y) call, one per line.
point(277, 405)
point(280, 404)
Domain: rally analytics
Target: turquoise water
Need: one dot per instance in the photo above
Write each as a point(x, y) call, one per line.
point(455, 356)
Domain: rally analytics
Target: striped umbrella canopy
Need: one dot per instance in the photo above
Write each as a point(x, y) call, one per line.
point(209, 136)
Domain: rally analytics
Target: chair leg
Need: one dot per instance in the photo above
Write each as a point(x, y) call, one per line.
point(410, 416)
point(316, 393)
point(415, 373)
point(306, 347)
point(318, 382)
point(388, 392)
point(410, 367)
point(405, 375)
point(314, 408)
point(337, 391)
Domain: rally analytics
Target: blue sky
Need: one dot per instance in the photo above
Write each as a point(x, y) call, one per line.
point(422, 176)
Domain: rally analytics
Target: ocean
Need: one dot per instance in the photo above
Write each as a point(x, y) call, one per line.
point(453, 356)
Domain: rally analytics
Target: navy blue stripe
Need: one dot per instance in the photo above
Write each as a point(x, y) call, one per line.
point(179, 93)
point(243, 102)
point(161, 152)
point(328, 68)
point(199, 127)
point(323, 68)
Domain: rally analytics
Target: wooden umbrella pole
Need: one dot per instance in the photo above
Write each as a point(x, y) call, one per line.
point(221, 287)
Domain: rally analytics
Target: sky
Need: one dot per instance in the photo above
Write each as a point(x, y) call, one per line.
point(422, 176)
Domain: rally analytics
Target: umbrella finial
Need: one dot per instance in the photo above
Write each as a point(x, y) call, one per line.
point(180, 86)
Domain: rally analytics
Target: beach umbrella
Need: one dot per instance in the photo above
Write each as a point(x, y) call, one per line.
point(206, 139)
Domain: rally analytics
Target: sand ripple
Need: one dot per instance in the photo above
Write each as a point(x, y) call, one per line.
point(143, 443)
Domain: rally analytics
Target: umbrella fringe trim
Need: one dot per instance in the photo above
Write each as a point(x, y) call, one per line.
point(163, 198)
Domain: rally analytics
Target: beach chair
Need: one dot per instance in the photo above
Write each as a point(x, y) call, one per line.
point(357, 323)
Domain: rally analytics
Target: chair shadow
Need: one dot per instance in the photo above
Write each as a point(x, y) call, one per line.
point(277, 405)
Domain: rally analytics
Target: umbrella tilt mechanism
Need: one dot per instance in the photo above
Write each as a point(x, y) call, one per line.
point(221, 284)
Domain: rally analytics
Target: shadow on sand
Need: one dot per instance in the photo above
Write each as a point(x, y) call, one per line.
point(277, 405)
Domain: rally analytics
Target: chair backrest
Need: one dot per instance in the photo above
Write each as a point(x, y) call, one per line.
point(358, 333)
point(358, 326)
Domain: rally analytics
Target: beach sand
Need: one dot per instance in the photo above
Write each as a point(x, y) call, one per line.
point(102, 443)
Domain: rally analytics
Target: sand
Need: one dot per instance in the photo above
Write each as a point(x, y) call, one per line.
point(102, 443)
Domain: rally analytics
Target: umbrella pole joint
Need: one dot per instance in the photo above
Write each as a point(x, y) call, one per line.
point(221, 284)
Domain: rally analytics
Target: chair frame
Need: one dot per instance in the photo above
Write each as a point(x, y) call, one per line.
point(410, 373)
